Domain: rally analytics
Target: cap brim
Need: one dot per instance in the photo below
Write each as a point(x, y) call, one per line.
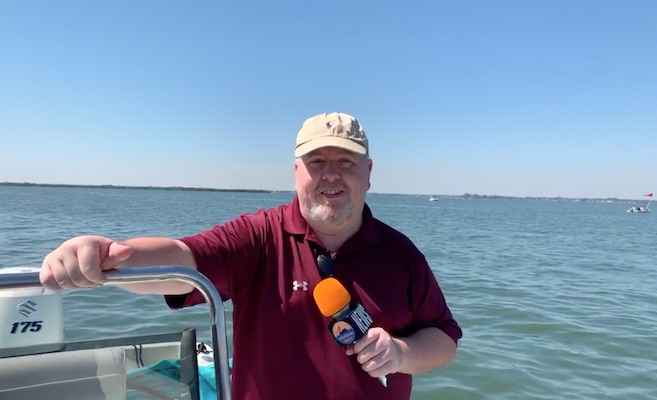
point(342, 143)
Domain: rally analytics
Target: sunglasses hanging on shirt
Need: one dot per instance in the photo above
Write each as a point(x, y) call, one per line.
point(325, 265)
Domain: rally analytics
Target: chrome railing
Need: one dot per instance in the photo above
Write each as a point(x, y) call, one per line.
point(154, 274)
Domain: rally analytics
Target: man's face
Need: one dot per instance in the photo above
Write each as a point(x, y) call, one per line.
point(331, 184)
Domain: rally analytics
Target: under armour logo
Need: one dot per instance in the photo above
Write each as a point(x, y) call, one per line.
point(296, 285)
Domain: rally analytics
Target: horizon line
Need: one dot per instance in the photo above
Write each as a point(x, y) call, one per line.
point(208, 189)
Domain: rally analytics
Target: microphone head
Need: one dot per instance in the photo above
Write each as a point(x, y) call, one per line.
point(331, 296)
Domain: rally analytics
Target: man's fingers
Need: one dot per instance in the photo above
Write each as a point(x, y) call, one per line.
point(85, 271)
point(47, 277)
point(58, 271)
point(376, 352)
point(378, 362)
point(62, 275)
point(116, 254)
point(377, 367)
point(370, 352)
point(369, 338)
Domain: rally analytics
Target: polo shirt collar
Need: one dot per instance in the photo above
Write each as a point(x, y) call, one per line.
point(295, 224)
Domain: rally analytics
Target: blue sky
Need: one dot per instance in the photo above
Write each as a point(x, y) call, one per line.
point(519, 98)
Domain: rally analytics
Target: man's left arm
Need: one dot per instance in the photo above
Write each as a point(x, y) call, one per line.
point(424, 351)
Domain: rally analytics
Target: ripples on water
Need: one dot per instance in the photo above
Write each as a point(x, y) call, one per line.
point(557, 300)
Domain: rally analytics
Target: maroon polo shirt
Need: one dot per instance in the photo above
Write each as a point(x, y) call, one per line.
point(282, 349)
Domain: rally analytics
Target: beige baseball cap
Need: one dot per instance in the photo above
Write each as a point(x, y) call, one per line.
point(335, 130)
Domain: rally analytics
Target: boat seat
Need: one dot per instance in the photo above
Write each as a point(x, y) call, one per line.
point(93, 374)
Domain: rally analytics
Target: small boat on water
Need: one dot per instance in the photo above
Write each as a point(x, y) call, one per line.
point(37, 363)
point(641, 209)
point(433, 198)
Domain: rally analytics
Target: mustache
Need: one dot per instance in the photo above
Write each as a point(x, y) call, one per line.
point(325, 187)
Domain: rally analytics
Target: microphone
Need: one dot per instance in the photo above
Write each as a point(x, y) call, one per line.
point(349, 323)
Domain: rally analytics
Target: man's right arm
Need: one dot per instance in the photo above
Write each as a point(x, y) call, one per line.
point(81, 262)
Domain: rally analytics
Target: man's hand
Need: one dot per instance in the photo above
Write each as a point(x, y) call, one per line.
point(80, 262)
point(377, 352)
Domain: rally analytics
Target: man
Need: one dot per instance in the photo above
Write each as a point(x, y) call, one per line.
point(267, 263)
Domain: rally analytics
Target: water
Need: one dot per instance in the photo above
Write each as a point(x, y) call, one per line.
point(557, 300)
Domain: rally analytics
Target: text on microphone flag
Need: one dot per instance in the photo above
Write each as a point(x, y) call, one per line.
point(348, 329)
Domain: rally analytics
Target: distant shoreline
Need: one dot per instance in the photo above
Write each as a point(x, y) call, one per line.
point(200, 189)
point(178, 188)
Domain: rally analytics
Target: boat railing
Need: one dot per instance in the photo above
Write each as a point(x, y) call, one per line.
point(151, 274)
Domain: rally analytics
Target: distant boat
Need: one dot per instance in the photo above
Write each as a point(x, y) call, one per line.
point(641, 209)
point(433, 198)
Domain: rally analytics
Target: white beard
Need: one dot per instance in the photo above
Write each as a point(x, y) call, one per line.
point(323, 214)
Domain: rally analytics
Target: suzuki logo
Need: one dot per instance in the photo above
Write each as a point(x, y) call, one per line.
point(303, 285)
point(27, 308)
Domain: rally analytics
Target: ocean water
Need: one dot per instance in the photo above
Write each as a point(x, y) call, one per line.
point(557, 299)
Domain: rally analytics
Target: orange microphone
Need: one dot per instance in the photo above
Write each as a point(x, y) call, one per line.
point(331, 297)
point(349, 323)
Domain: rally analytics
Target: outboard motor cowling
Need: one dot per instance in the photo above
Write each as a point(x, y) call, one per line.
point(31, 320)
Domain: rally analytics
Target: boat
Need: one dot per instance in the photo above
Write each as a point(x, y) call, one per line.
point(433, 198)
point(641, 209)
point(36, 362)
